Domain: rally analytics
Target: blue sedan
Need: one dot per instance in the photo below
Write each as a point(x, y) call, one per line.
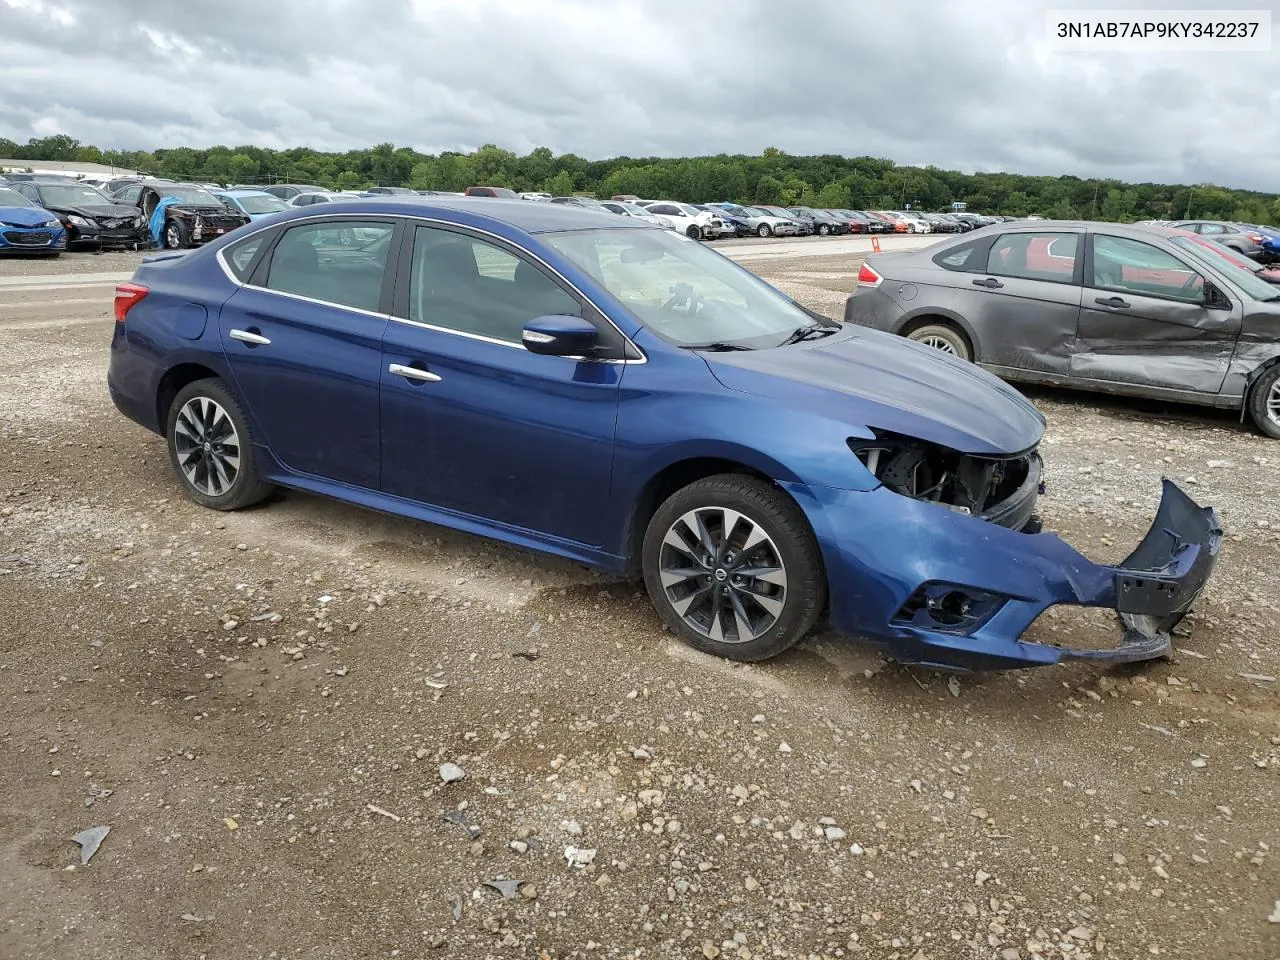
point(604, 390)
point(254, 204)
point(26, 228)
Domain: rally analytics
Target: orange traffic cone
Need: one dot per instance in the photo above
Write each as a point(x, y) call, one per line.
point(875, 244)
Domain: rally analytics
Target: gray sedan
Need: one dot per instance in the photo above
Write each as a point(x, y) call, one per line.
point(1144, 311)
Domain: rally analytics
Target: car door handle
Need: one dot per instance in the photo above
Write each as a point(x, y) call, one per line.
point(249, 337)
point(991, 283)
point(1117, 302)
point(414, 373)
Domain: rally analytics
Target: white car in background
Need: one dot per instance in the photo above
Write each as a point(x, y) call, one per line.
point(535, 195)
point(917, 223)
point(625, 209)
point(309, 199)
point(686, 218)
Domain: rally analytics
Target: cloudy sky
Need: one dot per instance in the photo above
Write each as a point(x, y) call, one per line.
point(963, 84)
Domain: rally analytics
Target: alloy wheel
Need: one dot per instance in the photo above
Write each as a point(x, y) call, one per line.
point(1273, 403)
point(939, 343)
point(723, 575)
point(172, 237)
point(207, 446)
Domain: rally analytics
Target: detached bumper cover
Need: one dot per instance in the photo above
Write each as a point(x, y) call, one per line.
point(893, 564)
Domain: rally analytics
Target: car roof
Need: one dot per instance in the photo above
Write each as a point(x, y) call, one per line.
point(526, 215)
point(244, 193)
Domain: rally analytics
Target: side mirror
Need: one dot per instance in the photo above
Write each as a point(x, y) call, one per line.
point(560, 336)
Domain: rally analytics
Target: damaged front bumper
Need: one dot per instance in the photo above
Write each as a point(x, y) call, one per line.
point(935, 587)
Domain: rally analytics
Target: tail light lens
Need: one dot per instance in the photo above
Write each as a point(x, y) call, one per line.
point(128, 295)
point(868, 277)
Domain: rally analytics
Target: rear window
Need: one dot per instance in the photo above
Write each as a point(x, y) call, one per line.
point(968, 257)
point(1034, 256)
point(241, 256)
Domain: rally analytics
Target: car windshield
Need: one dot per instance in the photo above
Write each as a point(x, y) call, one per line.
point(683, 292)
point(12, 198)
point(79, 195)
point(632, 208)
point(1245, 279)
point(688, 209)
point(263, 204)
point(758, 212)
point(198, 195)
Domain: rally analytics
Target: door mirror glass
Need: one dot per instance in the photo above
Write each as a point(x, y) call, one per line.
point(560, 336)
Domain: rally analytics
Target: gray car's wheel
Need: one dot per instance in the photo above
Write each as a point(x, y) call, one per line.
point(1264, 402)
point(942, 337)
point(764, 230)
point(823, 229)
point(211, 448)
point(733, 568)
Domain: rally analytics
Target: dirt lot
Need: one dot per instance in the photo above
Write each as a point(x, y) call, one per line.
point(268, 697)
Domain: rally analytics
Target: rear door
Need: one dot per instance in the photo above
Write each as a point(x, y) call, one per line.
point(304, 342)
point(1029, 301)
point(1150, 318)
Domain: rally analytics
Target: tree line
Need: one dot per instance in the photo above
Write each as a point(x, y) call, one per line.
point(773, 177)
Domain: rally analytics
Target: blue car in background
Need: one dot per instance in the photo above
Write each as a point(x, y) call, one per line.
point(605, 390)
point(26, 228)
point(254, 204)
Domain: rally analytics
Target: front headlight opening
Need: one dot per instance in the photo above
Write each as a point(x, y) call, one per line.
point(926, 471)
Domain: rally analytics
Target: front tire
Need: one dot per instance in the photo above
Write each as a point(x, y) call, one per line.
point(1264, 402)
point(693, 232)
point(733, 568)
point(764, 230)
point(176, 235)
point(211, 448)
point(942, 337)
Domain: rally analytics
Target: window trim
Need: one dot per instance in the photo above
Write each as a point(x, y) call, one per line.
point(1077, 267)
point(405, 221)
point(1206, 281)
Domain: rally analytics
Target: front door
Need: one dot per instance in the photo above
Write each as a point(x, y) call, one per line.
point(474, 423)
point(1148, 318)
point(304, 342)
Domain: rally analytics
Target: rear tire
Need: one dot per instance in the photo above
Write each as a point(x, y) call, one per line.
point(211, 448)
point(760, 588)
point(1264, 402)
point(823, 229)
point(943, 337)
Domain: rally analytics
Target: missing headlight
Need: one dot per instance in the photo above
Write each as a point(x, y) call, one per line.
point(926, 471)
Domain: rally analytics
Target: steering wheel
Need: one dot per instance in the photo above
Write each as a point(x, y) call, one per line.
point(682, 300)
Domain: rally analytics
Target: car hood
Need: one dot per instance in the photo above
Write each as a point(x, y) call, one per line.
point(112, 211)
point(879, 380)
point(25, 216)
point(205, 210)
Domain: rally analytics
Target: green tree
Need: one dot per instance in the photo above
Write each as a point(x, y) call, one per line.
point(241, 168)
point(768, 190)
point(561, 185)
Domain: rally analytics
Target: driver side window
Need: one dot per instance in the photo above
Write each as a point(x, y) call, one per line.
point(1131, 266)
point(470, 286)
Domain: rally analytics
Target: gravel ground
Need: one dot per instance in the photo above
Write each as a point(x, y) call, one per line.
point(258, 705)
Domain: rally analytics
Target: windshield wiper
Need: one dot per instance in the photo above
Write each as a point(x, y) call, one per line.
point(814, 331)
point(717, 347)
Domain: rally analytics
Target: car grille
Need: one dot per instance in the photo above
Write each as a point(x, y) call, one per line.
point(38, 238)
point(112, 224)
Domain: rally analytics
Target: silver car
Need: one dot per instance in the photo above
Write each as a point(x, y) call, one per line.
point(1144, 311)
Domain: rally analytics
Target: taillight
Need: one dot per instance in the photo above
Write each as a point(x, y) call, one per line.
point(868, 277)
point(128, 295)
